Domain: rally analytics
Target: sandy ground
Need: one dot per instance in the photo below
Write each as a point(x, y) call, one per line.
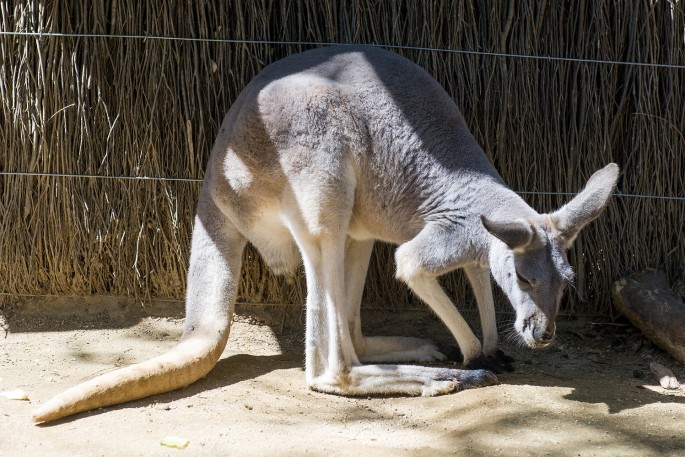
point(585, 397)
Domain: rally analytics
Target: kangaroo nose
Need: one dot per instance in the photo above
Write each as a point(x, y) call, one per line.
point(547, 335)
point(544, 335)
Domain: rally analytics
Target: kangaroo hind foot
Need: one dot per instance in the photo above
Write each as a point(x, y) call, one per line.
point(403, 380)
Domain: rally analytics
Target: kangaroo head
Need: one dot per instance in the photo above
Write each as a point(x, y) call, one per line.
point(530, 264)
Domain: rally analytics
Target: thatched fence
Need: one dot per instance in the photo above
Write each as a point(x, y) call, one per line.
point(94, 93)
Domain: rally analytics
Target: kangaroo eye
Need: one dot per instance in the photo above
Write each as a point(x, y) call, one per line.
point(522, 279)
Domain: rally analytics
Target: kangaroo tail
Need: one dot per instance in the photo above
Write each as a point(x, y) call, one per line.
point(191, 359)
point(213, 276)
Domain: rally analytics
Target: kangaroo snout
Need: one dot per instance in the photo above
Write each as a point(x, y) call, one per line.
point(537, 332)
point(543, 336)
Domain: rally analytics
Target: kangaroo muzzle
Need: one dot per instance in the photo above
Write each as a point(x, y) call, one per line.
point(536, 331)
point(543, 336)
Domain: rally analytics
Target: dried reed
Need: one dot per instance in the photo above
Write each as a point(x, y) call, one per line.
point(129, 107)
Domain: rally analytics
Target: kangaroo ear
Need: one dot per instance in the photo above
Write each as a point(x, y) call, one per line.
point(587, 205)
point(516, 234)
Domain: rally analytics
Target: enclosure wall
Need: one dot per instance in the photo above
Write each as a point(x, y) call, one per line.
point(108, 90)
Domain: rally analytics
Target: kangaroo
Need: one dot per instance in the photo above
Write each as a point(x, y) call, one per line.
point(323, 153)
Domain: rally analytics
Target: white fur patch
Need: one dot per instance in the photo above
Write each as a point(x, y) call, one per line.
point(240, 176)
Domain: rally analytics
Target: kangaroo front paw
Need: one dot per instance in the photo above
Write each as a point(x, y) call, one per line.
point(499, 362)
point(501, 356)
point(452, 353)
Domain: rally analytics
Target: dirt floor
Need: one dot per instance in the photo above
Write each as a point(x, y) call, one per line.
point(591, 395)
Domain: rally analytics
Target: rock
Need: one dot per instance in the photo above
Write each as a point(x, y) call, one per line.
point(15, 395)
point(646, 299)
point(665, 376)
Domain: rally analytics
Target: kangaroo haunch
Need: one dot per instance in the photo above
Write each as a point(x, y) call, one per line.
point(323, 153)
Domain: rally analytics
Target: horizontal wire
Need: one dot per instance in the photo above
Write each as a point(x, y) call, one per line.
point(616, 194)
point(162, 178)
point(317, 43)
